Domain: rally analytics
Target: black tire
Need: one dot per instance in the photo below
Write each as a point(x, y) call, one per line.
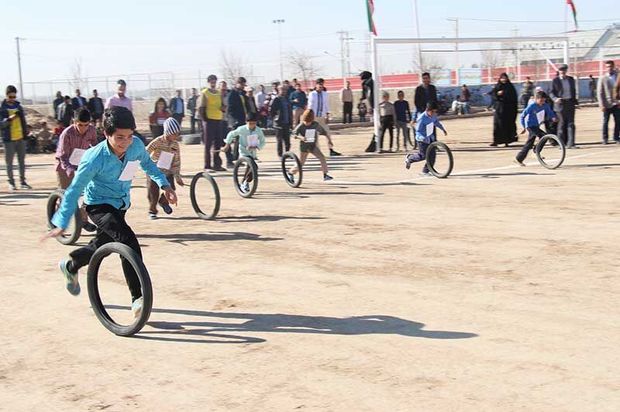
point(557, 157)
point(246, 162)
point(292, 180)
point(441, 147)
point(205, 214)
point(95, 298)
point(70, 237)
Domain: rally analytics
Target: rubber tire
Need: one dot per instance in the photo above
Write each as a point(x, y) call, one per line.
point(300, 172)
point(254, 185)
point(51, 209)
point(542, 142)
point(192, 195)
point(93, 288)
point(450, 158)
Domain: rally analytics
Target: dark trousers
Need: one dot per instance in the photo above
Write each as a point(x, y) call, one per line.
point(347, 112)
point(10, 149)
point(615, 112)
point(534, 132)
point(155, 196)
point(420, 155)
point(566, 123)
point(178, 117)
point(387, 123)
point(193, 120)
point(283, 136)
point(233, 153)
point(213, 138)
point(111, 227)
point(404, 126)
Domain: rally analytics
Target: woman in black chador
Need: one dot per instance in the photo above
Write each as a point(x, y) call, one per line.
point(505, 117)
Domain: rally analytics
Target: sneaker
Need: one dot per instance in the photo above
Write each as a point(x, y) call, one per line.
point(71, 279)
point(327, 178)
point(152, 216)
point(219, 169)
point(605, 142)
point(25, 186)
point(519, 163)
point(407, 162)
point(12, 187)
point(167, 209)
point(425, 174)
point(290, 176)
point(332, 152)
point(245, 187)
point(136, 307)
point(89, 227)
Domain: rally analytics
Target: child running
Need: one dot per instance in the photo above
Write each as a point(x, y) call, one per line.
point(251, 139)
point(104, 176)
point(532, 117)
point(165, 152)
point(425, 134)
point(307, 132)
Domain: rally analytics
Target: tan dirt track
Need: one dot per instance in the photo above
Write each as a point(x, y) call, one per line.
point(495, 289)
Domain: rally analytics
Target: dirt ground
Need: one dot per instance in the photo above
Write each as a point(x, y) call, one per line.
point(495, 289)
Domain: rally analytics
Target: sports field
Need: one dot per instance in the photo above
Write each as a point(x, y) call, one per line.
point(494, 289)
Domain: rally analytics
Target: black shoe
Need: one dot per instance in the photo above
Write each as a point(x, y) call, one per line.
point(493, 145)
point(332, 152)
point(89, 227)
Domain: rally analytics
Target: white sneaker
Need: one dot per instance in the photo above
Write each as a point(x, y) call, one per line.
point(136, 307)
point(245, 186)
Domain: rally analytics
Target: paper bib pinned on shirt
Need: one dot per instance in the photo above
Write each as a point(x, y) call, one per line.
point(129, 171)
point(76, 156)
point(165, 160)
point(540, 116)
point(310, 135)
point(430, 129)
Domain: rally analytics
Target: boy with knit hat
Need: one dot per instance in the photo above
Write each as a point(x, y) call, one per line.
point(164, 151)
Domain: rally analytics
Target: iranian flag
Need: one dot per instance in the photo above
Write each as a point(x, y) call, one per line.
point(370, 9)
point(574, 10)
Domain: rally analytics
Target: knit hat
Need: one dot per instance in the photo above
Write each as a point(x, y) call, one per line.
point(171, 126)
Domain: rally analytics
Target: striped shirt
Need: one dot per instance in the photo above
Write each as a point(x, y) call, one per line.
point(161, 144)
point(69, 140)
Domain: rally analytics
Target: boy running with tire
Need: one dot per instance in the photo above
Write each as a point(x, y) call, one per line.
point(535, 114)
point(165, 152)
point(104, 177)
point(425, 134)
point(307, 132)
point(251, 139)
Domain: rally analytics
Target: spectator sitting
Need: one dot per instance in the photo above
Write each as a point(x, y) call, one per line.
point(362, 110)
point(31, 141)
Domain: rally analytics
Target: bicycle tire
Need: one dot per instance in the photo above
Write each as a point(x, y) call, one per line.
point(296, 179)
point(249, 162)
point(67, 238)
point(210, 215)
point(431, 166)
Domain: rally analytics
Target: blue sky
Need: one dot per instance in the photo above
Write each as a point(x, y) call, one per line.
point(186, 36)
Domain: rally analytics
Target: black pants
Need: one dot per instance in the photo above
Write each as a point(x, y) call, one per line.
point(534, 132)
point(283, 136)
point(111, 227)
point(566, 123)
point(347, 112)
point(615, 113)
point(213, 137)
point(192, 124)
point(178, 117)
point(387, 123)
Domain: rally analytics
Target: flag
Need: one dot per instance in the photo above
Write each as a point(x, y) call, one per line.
point(574, 10)
point(370, 9)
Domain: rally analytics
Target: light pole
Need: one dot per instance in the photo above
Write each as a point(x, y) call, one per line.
point(279, 23)
point(19, 68)
point(456, 24)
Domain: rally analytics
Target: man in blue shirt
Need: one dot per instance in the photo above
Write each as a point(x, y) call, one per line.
point(177, 107)
point(104, 176)
point(299, 101)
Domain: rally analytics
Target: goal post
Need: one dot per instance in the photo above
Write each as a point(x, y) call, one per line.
point(376, 42)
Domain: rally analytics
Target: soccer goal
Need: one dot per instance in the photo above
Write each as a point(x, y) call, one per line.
point(475, 61)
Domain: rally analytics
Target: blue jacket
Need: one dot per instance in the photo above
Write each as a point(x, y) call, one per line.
point(403, 113)
point(529, 116)
point(423, 121)
point(98, 178)
point(302, 100)
point(5, 124)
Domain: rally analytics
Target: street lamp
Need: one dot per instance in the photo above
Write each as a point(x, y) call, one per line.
point(279, 23)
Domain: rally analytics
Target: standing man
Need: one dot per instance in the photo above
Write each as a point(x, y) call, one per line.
point(237, 111)
point(192, 105)
point(608, 101)
point(564, 96)
point(13, 126)
point(65, 112)
point(177, 107)
point(282, 114)
point(346, 98)
point(95, 106)
point(299, 101)
point(318, 101)
point(259, 99)
point(211, 112)
point(120, 99)
point(424, 94)
point(57, 102)
point(592, 88)
point(78, 101)
point(252, 109)
point(527, 91)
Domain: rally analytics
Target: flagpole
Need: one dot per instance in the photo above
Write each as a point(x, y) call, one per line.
point(565, 17)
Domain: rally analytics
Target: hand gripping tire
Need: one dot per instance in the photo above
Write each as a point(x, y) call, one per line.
point(447, 162)
point(250, 164)
point(547, 158)
point(95, 298)
point(53, 202)
point(203, 210)
point(293, 180)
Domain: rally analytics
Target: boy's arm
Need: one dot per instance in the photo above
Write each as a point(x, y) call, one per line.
point(440, 126)
point(295, 131)
point(524, 114)
point(550, 113)
point(231, 136)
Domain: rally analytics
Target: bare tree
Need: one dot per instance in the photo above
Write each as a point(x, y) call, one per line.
point(433, 64)
point(303, 66)
point(233, 66)
point(78, 76)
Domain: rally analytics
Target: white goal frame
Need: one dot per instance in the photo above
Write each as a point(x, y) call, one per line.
point(376, 41)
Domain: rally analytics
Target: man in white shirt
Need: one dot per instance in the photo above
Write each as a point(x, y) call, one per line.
point(318, 101)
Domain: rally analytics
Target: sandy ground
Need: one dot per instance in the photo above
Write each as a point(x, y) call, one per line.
point(495, 289)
